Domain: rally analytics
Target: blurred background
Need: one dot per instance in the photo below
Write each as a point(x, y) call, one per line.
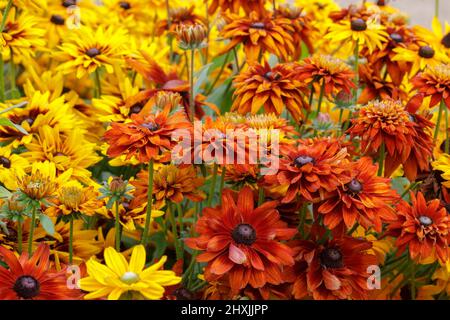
point(420, 11)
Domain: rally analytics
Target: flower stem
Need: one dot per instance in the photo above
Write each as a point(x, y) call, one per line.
point(356, 71)
point(5, 15)
point(19, 236)
point(12, 73)
point(117, 227)
point(2, 79)
point(71, 241)
point(31, 233)
point(213, 185)
point(236, 60)
point(222, 179)
point(436, 8)
point(218, 75)
point(176, 239)
point(447, 142)
point(145, 235)
point(191, 87)
point(98, 86)
point(274, 8)
point(322, 90)
point(381, 159)
point(261, 196)
point(169, 35)
point(438, 122)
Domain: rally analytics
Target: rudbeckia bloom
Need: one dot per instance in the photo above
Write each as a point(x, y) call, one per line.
point(31, 278)
point(336, 269)
point(235, 5)
point(84, 51)
point(241, 243)
point(310, 170)
point(366, 199)
point(179, 16)
point(258, 34)
point(10, 164)
point(119, 277)
point(146, 137)
point(443, 164)
point(439, 35)
point(423, 227)
point(271, 88)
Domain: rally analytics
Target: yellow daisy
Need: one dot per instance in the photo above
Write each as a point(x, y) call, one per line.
point(443, 164)
point(439, 35)
point(9, 164)
point(118, 276)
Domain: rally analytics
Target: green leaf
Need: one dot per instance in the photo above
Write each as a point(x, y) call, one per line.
point(47, 224)
point(201, 76)
point(4, 193)
point(8, 123)
point(400, 184)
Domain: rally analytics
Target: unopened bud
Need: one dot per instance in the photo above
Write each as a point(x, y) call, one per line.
point(117, 185)
point(191, 37)
point(163, 98)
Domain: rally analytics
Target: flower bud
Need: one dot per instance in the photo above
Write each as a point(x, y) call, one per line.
point(191, 37)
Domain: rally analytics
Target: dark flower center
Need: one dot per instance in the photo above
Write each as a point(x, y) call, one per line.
point(136, 108)
point(69, 3)
point(358, 25)
point(355, 186)
point(125, 5)
point(26, 287)
point(300, 161)
point(57, 19)
point(272, 75)
point(425, 221)
point(244, 234)
point(5, 162)
point(29, 120)
point(442, 147)
point(331, 258)
point(92, 52)
point(151, 126)
point(258, 25)
point(381, 2)
point(446, 40)
point(426, 52)
point(397, 37)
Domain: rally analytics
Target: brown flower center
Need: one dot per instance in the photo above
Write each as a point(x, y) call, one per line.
point(26, 287)
point(125, 5)
point(381, 2)
point(355, 186)
point(358, 25)
point(69, 3)
point(272, 76)
point(152, 126)
point(244, 234)
point(397, 37)
point(426, 52)
point(57, 19)
point(300, 161)
point(136, 108)
point(446, 40)
point(425, 221)
point(331, 258)
point(92, 52)
point(258, 25)
point(5, 162)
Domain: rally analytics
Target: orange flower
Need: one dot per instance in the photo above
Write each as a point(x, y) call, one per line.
point(258, 34)
point(146, 137)
point(32, 278)
point(334, 270)
point(331, 72)
point(271, 88)
point(241, 243)
point(235, 5)
point(178, 17)
point(170, 182)
point(423, 228)
point(310, 169)
point(366, 199)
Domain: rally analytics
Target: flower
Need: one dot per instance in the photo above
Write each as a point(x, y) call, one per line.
point(10, 164)
point(84, 51)
point(334, 270)
point(170, 182)
point(241, 243)
point(439, 35)
point(235, 5)
point(146, 137)
point(118, 276)
point(422, 227)
point(258, 34)
point(443, 164)
point(310, 169)
point(331, 73)
point(31, 278)
point(191, 37)
point(366, 199)
point(271, 88)
point(179, 16)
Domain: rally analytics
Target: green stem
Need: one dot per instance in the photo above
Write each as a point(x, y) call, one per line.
point(148, 217)
point(261, 196)
point(436, 8)
point(222, 179)
point(301, 225)
point(117, 227)
point(210, 89)
point(71, 241)
point(12, 73)
point(169, 35)
point(274, 9)
point(2, 79)
point(19, 236)
point(213, 185)
point(447, 142)
point(191, 87)
point(322, 90)
point(31, 233)
point(236, 60)
point(180, 217)
point(5, 14)
point(413, 281)
point(438, 122)
point(381, 159)
point(176, 239)
point(98, 86)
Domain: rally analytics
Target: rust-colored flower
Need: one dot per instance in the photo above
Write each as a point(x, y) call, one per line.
point(179, 16)
point(258, 34)
point(234, 6)
point(241, 243)
point(423, 227)
point(145, 137)
point(334, 270)
point(312, 169)
point(191, 36)
point(366, 199)
point(270, 88)
point(170, 182)
point(31, 278)
point(327, 71)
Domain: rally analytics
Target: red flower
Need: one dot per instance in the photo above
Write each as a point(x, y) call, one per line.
point(241, 243)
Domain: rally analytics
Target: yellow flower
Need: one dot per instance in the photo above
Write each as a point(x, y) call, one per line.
point(10, 163)
point(118, 276)
point(86, 50)
point(439, 36)
point(443, 164)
